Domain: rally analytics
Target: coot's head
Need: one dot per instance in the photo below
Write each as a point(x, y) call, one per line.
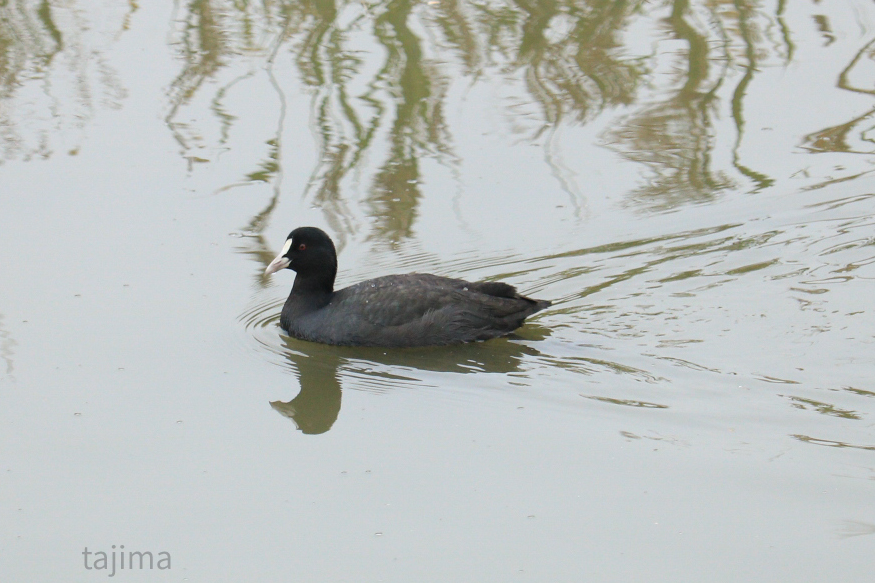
point(309, 251)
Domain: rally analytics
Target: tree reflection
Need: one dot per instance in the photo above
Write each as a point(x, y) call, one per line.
point(43, 96)
point(568, 55)
point(854, 136)
point(381, 77)
point(674, 137)
point(380, 74)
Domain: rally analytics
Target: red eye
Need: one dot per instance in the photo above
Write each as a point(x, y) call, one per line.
point(301, 247)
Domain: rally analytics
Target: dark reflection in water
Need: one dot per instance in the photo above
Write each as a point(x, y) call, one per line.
point(855, 135)
point(379, 75)
point(614, 295)
point(314, 410)
point(627, 402)
point(673, 137)
point(823, 408)
point(832, 443)
point(321, 368)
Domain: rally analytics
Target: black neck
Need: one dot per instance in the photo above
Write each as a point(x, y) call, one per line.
point(316, 287)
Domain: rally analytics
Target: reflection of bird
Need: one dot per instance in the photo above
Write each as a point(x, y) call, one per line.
point(849, 528)
point(321, 369)
point(395, 310)
point(315, 409)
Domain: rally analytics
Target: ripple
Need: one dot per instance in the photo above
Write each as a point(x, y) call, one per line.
point(626, 402)
point(261, 323)
point(680, 309)
point(831, 443)
point(840, 202)
point(821, 407)
point(770, 379)
point(378, 369)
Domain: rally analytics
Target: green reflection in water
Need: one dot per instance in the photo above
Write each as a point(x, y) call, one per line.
point(861, 129)
point(831, 443)
point(322, 370)
point(45, 15)
point(646, 255)
point(380, 75)
point(824, 408)
point(42, 96)
point(568, 58)
point(627, 402)
point(317, 405)
point(202, 44)
point(860, 392)
point(418, 122)
point(749, 34)
point(673, 137)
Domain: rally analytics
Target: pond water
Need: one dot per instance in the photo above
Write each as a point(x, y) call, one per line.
point(691, 183)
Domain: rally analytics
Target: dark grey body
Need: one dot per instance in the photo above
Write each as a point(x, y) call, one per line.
point(408, 310)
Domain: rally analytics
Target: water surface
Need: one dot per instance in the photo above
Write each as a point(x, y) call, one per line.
point(690, 183)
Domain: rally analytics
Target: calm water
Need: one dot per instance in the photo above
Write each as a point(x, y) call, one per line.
point(691, 183)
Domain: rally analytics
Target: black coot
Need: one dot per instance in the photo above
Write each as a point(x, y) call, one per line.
point(415, 309)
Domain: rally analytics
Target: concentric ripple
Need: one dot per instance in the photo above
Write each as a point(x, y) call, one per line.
point(261, 323)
